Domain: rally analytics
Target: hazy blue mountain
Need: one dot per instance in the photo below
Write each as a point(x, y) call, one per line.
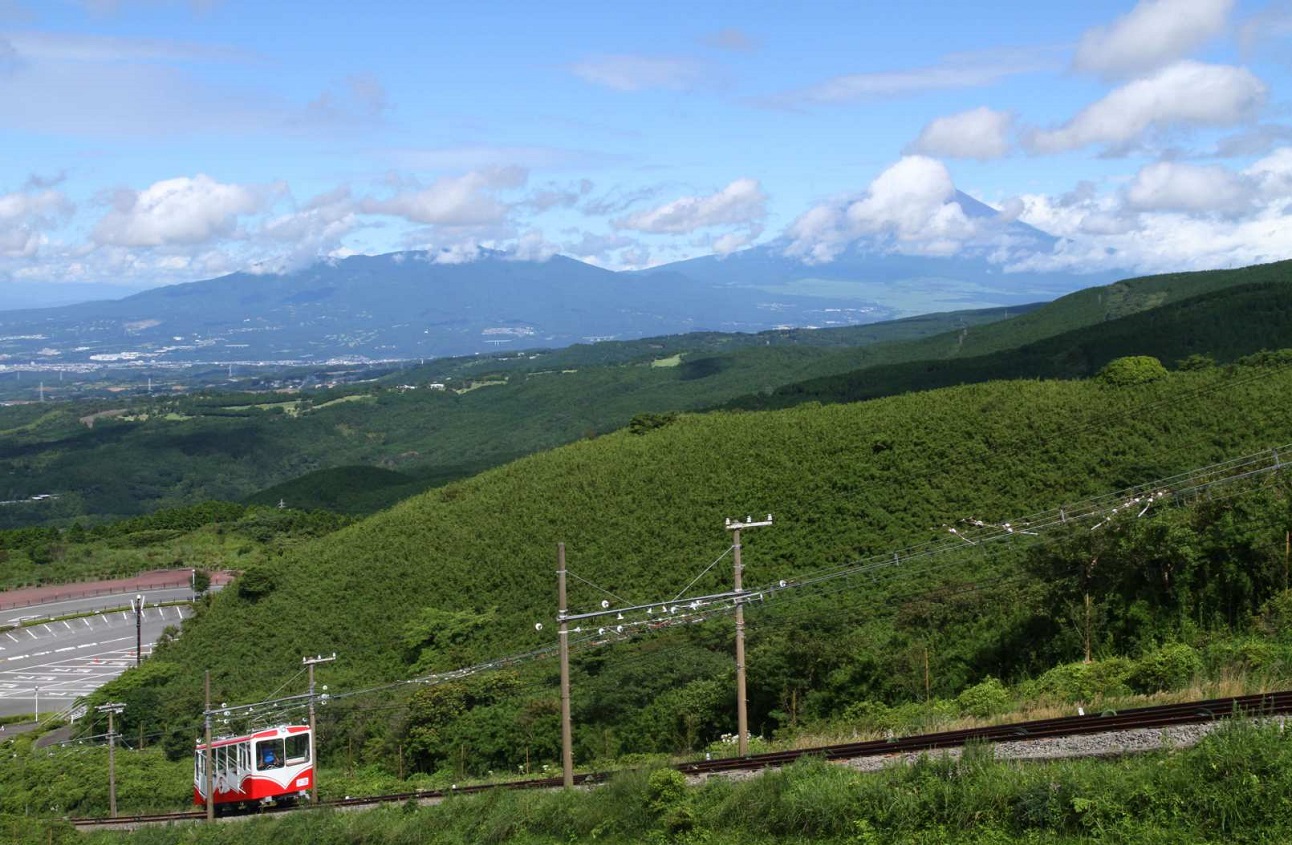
point(401, 305)
point(406, 305)
point(904, 285)
point(15, 295)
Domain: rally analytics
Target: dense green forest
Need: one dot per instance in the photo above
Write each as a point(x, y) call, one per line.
point(210, 536)
point(936, 556)
point(462, 574)
point(183, 450)
point(329, 446)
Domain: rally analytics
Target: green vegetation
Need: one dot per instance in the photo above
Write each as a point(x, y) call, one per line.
point(1169, 594)
point(1219, 324)
point(1229, 788)
point(461, 575)
point(182, 450)
point(214, 535)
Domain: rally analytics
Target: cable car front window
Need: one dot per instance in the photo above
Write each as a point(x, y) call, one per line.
point(269, 754)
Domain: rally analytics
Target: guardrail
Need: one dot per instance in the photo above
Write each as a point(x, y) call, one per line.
point(183, 578)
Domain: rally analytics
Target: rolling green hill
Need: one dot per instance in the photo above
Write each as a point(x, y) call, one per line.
point(1219, 326)
point(464, 573)
point(181, 451)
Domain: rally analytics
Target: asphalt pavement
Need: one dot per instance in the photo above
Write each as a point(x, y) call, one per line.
point(46, 667)
point(60, 642)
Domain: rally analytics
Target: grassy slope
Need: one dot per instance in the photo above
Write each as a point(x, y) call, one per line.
point(184, 450)
point(641, 515)
point(1223, 324)
point(214, 452)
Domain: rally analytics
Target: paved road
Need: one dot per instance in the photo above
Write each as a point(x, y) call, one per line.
point(57, 662)
point(68, 607)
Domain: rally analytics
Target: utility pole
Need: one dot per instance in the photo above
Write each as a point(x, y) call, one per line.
point(112, 709)
point(210, 775)
point(567, 735)
point(310, 662)
point(742, 712)
point(138, 605)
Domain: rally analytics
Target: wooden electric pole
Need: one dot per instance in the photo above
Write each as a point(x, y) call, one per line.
point(567, 733)
point(112, 709)
point(210, 775)
point(742, 712)
point(314, 784)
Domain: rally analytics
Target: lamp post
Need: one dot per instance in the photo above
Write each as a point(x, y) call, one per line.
point(138, 605)
point(38, 704)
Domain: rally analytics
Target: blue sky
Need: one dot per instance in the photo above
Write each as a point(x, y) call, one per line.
point(149, 142)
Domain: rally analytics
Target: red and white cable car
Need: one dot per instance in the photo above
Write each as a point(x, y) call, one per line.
point(270, 766)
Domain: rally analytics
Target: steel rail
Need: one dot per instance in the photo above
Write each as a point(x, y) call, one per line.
point(1258, 705)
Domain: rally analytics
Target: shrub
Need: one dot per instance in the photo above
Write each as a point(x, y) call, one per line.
point(1074, 682)
point(984, 699)
point(1170, 667)
point(643, 423)
point(1132, 370)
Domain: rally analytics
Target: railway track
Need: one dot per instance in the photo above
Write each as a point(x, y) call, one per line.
point(1162, 716)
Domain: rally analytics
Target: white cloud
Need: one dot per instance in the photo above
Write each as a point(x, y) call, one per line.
point(357, 99)
point(1185, 94)
point(1170, 217)
point(980, 133)
point(1175, 186)
point(1273, 175)
point(467, 200)
point(595, 248)
point(1153, 34)
point(910, 208)
point(1270, 24)
point(640, 73)
point(958, 70)
point(731, 39)
point(532, 246)
point(557, 196)
point(106, 86)
point(32, 206)
point(314, 230)
point(178, 211)
point(740, 203)
point(1256, 140)
point(90, 49)
point(730, 242)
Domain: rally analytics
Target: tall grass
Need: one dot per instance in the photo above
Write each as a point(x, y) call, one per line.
point(1232, 787)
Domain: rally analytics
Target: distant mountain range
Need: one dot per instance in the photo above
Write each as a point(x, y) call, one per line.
point(408, 305)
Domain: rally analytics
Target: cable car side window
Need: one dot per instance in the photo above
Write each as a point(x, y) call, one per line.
point(298, 749)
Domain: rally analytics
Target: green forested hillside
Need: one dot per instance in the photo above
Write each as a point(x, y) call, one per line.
point(464, 573)
point(113, 458)
point(1216, 326)
point(1088, 308)
point(120, 458)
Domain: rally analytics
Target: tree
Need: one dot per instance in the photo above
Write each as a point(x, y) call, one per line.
point(1132, 370)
